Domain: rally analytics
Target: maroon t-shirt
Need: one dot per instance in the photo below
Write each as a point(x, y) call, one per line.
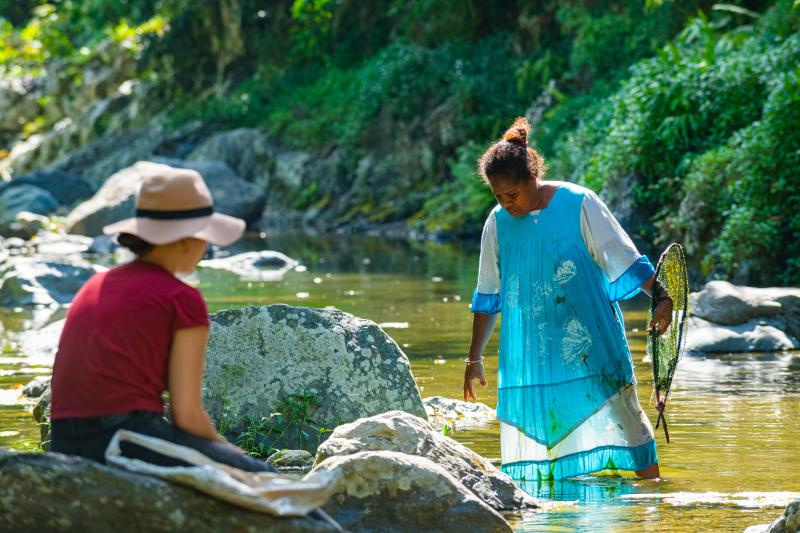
point(113, 353)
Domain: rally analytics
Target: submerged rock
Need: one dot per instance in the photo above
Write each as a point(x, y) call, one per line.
point(395, 492)
point(347, 367)
point(54, 492)
point(400, 432)
point(265, 265)
point(456, 413)
point(26, 281)
point(788, 522)
point(730, 318)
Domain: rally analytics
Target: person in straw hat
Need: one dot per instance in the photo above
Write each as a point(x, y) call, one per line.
point(136, 331)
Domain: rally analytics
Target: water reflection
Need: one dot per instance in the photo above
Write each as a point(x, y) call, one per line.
point(592, 490)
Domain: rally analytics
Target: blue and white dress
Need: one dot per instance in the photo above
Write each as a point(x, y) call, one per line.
point(567, 398)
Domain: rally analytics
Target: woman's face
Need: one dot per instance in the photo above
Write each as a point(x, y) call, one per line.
point(514, 196)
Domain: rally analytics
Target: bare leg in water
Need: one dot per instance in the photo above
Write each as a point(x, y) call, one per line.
point(651, 472)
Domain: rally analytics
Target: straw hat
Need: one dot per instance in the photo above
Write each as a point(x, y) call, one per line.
point(174, 203)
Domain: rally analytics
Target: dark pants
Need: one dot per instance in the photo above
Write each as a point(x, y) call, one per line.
point(89, 437)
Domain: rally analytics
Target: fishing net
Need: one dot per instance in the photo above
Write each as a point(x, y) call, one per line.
point(671, 281)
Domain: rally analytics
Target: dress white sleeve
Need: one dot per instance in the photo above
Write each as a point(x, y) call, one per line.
point(612, 249)
point(486, 298)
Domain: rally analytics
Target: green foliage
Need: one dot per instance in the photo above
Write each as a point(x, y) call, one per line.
point(705, 124)
point(291, 425)
point(465, 200)
point(691, 101)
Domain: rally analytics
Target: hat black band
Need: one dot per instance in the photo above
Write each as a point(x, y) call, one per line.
point(175, 215)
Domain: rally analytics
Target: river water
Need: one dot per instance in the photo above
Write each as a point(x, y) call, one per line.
point(733, 458)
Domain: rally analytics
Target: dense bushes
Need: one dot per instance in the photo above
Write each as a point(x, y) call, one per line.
point(704, 130)
point(689, 106)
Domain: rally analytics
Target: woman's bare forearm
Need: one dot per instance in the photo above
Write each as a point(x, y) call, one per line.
point(482, 327)
point(198, 423)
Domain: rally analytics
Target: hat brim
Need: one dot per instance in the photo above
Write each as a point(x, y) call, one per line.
point(219, 229)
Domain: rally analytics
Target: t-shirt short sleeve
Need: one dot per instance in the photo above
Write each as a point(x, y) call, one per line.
point(189, 308)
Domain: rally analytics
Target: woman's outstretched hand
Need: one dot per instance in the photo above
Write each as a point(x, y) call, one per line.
point(473, 373)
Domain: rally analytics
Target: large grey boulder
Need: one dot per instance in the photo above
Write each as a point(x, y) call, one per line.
point(54, 492)
point(727, 304)
point(730, 318)
point(257, 357)
point(788, 522)
point(115, 199)
point(400, 432)
point(394, 492)
point(27, 281)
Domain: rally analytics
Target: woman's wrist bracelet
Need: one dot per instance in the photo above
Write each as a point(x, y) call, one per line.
point(473, 362)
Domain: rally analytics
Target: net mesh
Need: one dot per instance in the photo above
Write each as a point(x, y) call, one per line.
point(665, 350)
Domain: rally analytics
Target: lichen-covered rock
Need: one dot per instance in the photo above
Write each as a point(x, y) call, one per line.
point(730, 318)
point(41, 413)
point(54, 492)
point(115, 199)
point(291, 459)
point(400, 432)
point(788, 522)
point(259, 356)
point(27, 281)
point(395, 492)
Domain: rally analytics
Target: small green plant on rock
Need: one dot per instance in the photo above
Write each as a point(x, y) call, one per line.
point(291, 425)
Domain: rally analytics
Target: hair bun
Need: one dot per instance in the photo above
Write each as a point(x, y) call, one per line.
point(518, 132)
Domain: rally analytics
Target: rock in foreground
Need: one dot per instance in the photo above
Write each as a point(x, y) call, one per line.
point(395, 492)
point(257, 357)
point(400, 432)
point(54, 492)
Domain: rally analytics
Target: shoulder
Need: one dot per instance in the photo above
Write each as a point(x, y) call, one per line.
point(491, 220)
point(574, 189)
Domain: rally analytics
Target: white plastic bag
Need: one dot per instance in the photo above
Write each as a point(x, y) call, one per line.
point(264, 492)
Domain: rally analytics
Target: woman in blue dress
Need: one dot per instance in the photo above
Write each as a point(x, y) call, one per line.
point(554, 263)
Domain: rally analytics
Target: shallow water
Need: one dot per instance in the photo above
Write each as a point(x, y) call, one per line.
point(732, 419)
